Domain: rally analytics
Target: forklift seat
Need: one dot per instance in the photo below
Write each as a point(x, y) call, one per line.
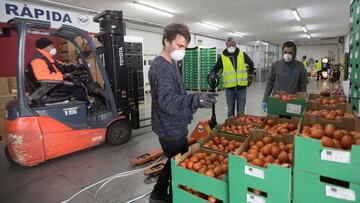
point(40, 90)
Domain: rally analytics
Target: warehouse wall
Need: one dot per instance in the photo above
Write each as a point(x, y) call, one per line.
point(151, 41)
point(346, 43)
point(317, 51)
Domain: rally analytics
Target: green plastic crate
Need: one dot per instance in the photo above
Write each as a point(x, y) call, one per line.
point(196, 181)
point(295, 107)
point(251, 197)
point(180, 195)
point(308, 187)
point(312, 157)
point(308, 158)
point(274, 180)
point(356, 105)
point(355, 75)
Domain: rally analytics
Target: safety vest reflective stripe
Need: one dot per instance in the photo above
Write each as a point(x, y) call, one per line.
point(231, 81)
point(229, 73)
point(234, 72)
point(232, 77)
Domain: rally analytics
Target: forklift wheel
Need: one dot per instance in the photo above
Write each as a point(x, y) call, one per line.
point(8, 157)
point(118, 132)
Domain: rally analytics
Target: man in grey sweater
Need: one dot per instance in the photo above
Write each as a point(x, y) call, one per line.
point(287, 74)
point(172, 108)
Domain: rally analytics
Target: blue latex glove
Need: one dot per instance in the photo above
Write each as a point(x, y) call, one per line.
point(264, 106)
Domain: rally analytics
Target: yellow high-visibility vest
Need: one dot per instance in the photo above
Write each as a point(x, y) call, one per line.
point(232, 77)
point(305, 62)
point(318, 67)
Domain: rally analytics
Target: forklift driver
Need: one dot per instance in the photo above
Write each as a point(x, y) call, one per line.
point(46, 67)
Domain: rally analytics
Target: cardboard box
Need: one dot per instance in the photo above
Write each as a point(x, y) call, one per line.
point(4, 99)
point(4, 86)
point(275, 180)
point(295, 107)
point(315, 106)
point(308, 187)
point(196, 181)
point(68, 52)
point(232, 121)
point(216, 133)
point(279, 120)
point(310, 156)
point(95, 72)
point(313, 97)
point(242, 114)
point(12, 83)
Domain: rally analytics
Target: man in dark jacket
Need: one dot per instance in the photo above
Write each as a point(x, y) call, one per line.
point(233, 64)
point(286, 75)
point(172, 108)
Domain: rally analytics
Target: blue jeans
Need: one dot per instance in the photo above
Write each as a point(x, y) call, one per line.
point(235, 94)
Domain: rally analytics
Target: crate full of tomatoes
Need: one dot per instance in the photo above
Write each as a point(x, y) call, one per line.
point(249, 119)
point(331, 149)
point(278, 126)
point(233, 126)
point(203, 171)
point(287, 104)
point(264, 164)
point(222, 142)
point(327, 161)
point(342, 112)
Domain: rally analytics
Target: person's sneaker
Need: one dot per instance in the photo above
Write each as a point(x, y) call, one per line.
point(158, 199)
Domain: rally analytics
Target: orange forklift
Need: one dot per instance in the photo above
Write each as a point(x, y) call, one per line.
point(41, 125)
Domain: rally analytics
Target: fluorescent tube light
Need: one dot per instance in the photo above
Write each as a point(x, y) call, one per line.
point(308, 36)
point(152, 9)
point(296, 14)
point(237, 34)
point(209, 25)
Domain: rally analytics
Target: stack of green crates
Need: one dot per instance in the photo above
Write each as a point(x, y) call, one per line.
point(355, 54)
point(190, 71)
point(207, 62)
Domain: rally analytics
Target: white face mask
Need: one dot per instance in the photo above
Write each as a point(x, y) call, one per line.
point(231, 50)
point(287, 57)
point(177, 54)
point(53, 51)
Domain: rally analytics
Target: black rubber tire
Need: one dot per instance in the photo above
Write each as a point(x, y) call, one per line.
point(118, 132)
point(8, 157)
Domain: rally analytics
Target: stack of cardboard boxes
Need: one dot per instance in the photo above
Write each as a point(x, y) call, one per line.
point(7, 93)
point(69, 54)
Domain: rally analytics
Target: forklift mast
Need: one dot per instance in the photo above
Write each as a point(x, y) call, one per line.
point(121, 77)
point(112, 37)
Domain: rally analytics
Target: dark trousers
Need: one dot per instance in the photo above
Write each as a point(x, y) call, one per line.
point(75, 91)
point(318, 75)
point(170, 148)
point(238, 95)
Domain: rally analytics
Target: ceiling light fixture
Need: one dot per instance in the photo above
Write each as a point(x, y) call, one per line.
point(209, 25)
point(304, 28)
point(237, 34)
point(152, 9)
point(308, 36)
point(296, 14)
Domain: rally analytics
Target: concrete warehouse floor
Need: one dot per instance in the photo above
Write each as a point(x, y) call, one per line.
point(58, 179)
